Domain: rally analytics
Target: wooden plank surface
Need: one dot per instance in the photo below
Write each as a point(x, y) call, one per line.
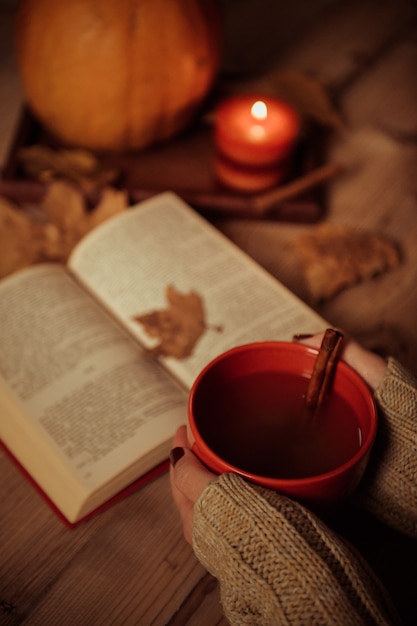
point(130, 564)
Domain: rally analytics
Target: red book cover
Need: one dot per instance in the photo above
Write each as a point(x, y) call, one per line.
point(158, 470)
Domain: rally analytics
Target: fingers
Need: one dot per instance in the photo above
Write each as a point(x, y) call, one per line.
point(180, 438)
point(368, 364)
point(314, 340)
point(309, 340)
point(188, 478)
point(186, 511)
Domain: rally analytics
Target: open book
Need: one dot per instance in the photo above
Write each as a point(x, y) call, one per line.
point(95, 363)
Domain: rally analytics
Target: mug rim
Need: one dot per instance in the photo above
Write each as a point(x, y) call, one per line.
point(199, 445)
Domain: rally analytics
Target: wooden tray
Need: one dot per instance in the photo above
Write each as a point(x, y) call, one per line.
point(182, 165)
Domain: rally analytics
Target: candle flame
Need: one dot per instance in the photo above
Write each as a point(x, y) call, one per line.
point(259, 110)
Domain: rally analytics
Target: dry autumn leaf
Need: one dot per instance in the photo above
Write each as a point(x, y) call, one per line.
point(179, 326)
point(309, 96)
point(20, 239)
point(66, 219)
point(112, 201)
point(334, 257)
point(65, 207)
point(77, 166)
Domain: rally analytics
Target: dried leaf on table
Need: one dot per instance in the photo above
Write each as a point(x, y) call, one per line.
point(112, 202)
point(65, 209)
point(69, 219)
point(65, 206)
point(308, 96)
point(78, 166)
point(334, 257)
point(65, 220)
point(20, 239)
point(179, 326)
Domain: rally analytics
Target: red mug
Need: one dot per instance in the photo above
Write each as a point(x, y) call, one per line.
point(247, 415)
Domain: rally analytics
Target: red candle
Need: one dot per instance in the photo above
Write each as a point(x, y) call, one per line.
point(248, 179)
point(254, 137)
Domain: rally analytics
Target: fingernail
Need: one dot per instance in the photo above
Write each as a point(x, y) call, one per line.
point(175, 455)
point(300, 337)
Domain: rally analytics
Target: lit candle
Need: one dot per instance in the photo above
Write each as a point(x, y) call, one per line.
point(254, 138)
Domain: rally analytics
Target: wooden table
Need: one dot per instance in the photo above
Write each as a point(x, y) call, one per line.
point(130, 564)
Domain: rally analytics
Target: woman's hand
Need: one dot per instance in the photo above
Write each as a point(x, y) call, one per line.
point(188, 479)
point(368, 364)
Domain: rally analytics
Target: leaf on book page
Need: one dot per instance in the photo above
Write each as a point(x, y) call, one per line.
point(179, 326)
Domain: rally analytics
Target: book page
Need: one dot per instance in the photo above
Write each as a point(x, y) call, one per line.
point(90, 392)
point(129, 261)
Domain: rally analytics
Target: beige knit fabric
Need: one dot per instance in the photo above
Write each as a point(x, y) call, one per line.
point(278, 564)
point(389, 487)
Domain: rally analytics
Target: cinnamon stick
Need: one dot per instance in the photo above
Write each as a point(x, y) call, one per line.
point(263, 202)
point(324, 368)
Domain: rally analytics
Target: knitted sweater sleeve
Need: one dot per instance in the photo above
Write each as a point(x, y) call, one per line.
point(389, 487)
point(278, 564)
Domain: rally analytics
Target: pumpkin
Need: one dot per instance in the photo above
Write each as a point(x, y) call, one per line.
point(116, 74)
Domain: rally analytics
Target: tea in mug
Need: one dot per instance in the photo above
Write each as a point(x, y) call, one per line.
point(258, 422)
